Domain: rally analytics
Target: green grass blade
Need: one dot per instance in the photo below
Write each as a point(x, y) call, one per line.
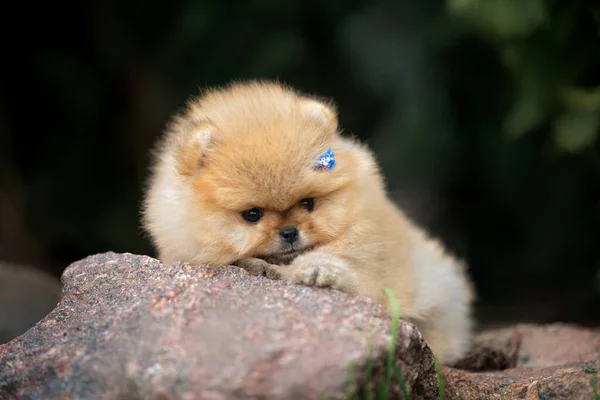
point(392, 368)
point(440, 379)
point(594, 384)
point(351, 390)
point(401, 382)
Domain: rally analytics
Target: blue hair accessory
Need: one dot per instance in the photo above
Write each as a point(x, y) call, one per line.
point(326, 160)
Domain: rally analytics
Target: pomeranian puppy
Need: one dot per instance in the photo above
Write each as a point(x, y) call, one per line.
point(258, 175)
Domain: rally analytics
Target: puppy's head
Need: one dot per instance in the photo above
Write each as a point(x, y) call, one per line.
point(250, 153)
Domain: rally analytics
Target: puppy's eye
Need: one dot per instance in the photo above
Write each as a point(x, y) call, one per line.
point(253, 215)
point(309, 204)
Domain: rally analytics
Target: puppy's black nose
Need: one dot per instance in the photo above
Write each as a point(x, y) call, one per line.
point(289, 234)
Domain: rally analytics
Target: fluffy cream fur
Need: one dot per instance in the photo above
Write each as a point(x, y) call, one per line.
point(252, 146)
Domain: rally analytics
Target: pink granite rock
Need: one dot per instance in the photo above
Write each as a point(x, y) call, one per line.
point(531, 362)
point(128, 327)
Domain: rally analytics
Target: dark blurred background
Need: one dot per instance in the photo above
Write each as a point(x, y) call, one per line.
point(484, 114)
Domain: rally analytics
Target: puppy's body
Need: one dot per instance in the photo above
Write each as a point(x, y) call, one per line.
point(234, 182)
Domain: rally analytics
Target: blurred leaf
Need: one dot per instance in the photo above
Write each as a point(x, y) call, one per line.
point(506, 18)
point(536, 87)
point(511, 57)
point(527, 113)
point(574, 131)
point(539, 73)
point(581, 98)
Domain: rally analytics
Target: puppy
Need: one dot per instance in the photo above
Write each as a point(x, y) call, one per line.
point(256, 174)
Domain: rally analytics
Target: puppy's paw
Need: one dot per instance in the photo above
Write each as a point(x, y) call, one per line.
point(318, 270)
point(256, 266)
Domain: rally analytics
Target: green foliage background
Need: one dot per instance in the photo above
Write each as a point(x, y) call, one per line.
point(484, 114)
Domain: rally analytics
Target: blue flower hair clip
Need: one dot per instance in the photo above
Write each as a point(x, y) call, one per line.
point(326, 160)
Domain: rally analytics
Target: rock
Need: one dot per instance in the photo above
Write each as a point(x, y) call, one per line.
point(531, 362)
point(128, 327)
point(26, 296)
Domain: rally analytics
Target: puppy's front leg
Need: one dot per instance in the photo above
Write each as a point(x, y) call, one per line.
point(257, 266)
point(321, 269)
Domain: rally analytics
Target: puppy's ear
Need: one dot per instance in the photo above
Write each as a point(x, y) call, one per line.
point(320, 112)
point(192, 140)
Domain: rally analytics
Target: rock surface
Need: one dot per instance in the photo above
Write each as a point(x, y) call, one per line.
point(26, 296)
point(129, 327)
point(529, 362)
